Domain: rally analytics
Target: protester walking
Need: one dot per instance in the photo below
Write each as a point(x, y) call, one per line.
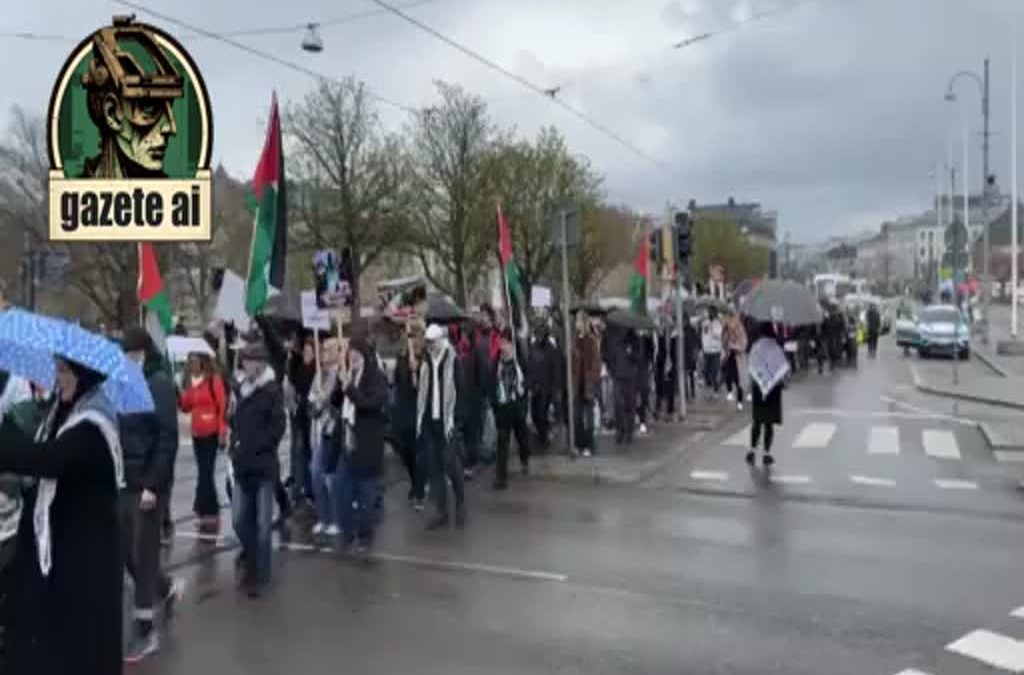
point(326, 446)
point(435, 426)
point(257, 428)
point(362, 397)
point(65, 603)
point(301, 371)
point(691, 351)
point(586, 369)
point(874, 321)
point(625, 356)
point(509, 396)
point(543, 381)
point(768, 370)
point(205, 400)
point(149, 444)
point(735, 345)
point(403, 412)
point(645, 363)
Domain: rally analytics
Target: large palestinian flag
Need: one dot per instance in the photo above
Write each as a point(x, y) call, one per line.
point(267, 268)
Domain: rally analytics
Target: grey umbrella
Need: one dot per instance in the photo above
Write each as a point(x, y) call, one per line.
point(627, 318)
point(442, 310)
point(782, 301)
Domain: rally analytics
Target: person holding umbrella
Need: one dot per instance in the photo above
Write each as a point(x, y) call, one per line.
point(768, 370)
point(66, 578)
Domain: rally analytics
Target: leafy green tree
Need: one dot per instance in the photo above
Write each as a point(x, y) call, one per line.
point(717, 240)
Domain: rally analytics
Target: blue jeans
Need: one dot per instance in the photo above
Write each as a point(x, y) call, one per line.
point(325, 499)
point(358, 496)
point(253, 506)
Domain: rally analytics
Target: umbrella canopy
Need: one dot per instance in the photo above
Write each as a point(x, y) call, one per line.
point(442, 310)
point(781, 301)
point(593, 309)
point(627, 318)
point(29, 342)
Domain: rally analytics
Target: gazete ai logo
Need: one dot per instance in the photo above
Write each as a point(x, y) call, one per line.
point(130, 137)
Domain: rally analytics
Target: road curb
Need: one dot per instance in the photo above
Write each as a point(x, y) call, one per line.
point(987, 359)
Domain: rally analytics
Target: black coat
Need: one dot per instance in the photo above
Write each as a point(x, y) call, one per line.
point(767, 409)
point(149, 441)
point(370, 398)
point(257, 428)
point(542, 372)
point(403, 412)
point(69, 621)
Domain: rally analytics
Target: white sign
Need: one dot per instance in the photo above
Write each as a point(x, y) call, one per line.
point(231, 301)
point(540, 296)
point(312, 316)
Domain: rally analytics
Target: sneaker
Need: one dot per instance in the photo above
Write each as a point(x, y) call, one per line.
point(587, 453)
point(768, 460)
point(141, 647)
point(332, 531)
point(729, 397)
point(739, 406)
point(175, 594)
point(467, 475)
point(751, 458)
point(318, 529)
point(417, 505)
point(643, 429)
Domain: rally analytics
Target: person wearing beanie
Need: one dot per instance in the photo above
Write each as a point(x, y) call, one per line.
point(257, 428)
point(149, 442)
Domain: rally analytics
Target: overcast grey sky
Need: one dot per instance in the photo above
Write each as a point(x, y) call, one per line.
point(831, 112)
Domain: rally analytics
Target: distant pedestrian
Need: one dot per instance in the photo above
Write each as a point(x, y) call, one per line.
point(625, 357)
point(874, 321)
point(326, 444)
point(435, 426)
point(204, 398)
point(645, 364)
point(257, 428)
point(301, 371)
point(691, 351)
point(543, 380)
point(768, 370)
point(403, 412)
point(509, 396)
point(735, 345)
point(711, 346)
point(586, 371)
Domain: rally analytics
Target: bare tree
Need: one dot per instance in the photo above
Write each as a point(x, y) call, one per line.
point(348, 174)
point(452, 215)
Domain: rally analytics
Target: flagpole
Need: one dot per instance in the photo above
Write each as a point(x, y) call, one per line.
point(1014, 271)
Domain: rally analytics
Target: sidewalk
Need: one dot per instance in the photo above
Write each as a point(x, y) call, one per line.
point(665, 443)
point(1006, 365)
point(997, 390)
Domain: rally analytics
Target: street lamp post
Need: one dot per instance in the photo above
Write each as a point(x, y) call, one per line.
point(983, 85)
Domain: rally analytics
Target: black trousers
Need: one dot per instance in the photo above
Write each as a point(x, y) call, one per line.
point(540, 414)
point(140, 546)
point(732, 375)
point(206, 503)
point(445, 467)
point(755, 435)
point(643, 396)
point(406, 442)
point(625, 409)
point(511, 420)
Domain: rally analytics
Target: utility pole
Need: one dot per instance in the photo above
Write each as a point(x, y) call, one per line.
point(570, 336)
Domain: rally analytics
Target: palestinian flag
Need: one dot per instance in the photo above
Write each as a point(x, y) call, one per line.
point(269, 236)
point(509, 270)
point(153, 296)
point(638, 281)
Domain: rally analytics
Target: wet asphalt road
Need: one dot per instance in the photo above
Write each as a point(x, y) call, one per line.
point(706, 568)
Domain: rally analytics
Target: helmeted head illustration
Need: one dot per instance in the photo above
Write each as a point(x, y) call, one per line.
point(131, 85)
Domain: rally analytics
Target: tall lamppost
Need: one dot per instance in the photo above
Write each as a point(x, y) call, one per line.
point(983, 86)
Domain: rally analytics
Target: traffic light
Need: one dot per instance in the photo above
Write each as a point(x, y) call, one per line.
point(682, 222)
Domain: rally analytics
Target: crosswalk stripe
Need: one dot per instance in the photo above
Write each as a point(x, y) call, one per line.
point(884, 441)
point(993, 649)
point(940, 443)
point(872, 481)
point(1009, 456)
point(815, 435)
point(955, 484)
point(784, 479)
point(1018, 613)
point(740, 439)
point(719, 476)
point(911, 671)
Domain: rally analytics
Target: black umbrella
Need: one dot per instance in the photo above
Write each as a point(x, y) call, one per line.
point(590, 308)
point(627, 318)
point(442, 310)
point(782, 301)
point(286, 305)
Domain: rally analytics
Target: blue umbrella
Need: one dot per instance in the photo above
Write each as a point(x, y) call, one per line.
point(28, 343)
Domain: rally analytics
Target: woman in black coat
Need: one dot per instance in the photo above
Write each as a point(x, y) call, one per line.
point(767, 408)
point(67, 575)
point(363, 398)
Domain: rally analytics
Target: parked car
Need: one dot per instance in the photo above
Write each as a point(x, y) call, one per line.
point(943, 329)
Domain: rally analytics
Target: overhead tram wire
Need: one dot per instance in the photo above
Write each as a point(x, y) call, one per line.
point(261, 54)
point(549, 93)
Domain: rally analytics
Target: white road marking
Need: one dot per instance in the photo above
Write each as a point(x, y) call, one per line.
point(955, 484)
point(872, 481)
point(1018, 613)
point(815, 435)
point(993, 649)
point(940, 443)
point(1009, 456)
point(884, 441)
point(456, 565)
point(196, 536)
point(739, 439)
point(911, 671)
point(785, 479)
point(881, 414)
point(719, 476)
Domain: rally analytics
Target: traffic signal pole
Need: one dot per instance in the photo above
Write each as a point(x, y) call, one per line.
point(682, 257)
